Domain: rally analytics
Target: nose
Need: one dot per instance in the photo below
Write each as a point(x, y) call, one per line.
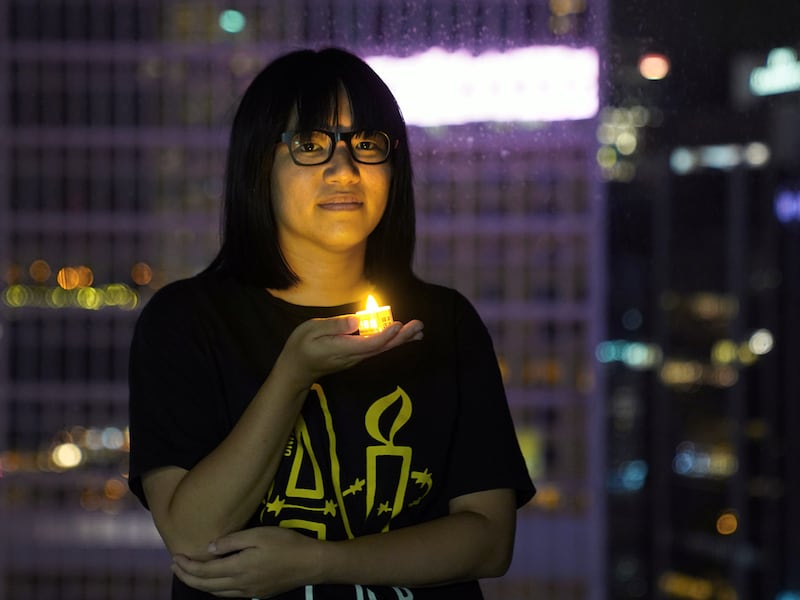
point(341, 166)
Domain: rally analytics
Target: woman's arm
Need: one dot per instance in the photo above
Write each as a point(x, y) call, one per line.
point(218, 496)
point(474, 541)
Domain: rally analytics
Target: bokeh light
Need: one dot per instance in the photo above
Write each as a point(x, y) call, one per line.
point(654, 66)
point(141, 273)
point(39, 271)
point(761, 342)
point(68, 278)
point(232, 21)
point(727, 523)
point(66, 456)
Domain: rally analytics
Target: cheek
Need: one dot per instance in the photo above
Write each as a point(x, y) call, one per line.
point(282, 191)
point(276, 194)
point(283, 186)
point(383, 182)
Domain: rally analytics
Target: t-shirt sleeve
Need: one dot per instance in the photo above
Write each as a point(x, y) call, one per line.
point(174, 420)
point(486, 454)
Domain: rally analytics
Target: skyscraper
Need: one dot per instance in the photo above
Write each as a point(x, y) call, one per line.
point(114, 118)
point(702, 387)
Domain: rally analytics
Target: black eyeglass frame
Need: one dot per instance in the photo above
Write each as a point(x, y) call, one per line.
point(335, 136)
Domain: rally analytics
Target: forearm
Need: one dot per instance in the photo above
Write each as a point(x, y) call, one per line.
point(461, 546)
point(474, 541)
point(218, 495)
point(223, 490)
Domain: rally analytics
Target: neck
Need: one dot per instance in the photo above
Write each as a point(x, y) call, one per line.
point(327, 280)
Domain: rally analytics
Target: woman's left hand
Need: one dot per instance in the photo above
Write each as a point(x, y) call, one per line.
point(253, 563)
point(474, 541)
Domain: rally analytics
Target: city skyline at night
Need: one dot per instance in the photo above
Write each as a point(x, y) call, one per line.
point(633, 249)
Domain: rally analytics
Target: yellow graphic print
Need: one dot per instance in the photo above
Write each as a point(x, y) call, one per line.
point(422, 479)
point(305, 452)
point(304, 446)
point(388, 448)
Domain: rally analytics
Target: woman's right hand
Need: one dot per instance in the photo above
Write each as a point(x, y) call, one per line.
point(319, 347)
point(230, 487)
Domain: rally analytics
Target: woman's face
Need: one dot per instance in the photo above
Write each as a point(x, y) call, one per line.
point(330, 207)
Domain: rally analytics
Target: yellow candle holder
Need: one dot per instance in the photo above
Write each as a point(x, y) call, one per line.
point(374, 318)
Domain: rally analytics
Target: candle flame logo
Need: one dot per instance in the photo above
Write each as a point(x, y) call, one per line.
point(372, 304)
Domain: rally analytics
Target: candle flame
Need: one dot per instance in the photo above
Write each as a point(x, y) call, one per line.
point(375, 318)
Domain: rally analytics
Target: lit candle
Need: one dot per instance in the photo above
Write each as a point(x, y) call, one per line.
point(374, 318)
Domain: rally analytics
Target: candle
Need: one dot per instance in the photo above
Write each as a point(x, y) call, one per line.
point(374, 318)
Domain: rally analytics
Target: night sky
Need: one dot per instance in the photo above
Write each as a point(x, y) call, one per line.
point(701, 37)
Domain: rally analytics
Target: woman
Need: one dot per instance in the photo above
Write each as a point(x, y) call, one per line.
point(280, 454)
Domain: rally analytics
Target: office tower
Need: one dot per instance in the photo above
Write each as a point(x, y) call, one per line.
point(707, 422)
point(114, 121)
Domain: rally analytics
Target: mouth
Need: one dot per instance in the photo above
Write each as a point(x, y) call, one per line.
point(341, 202)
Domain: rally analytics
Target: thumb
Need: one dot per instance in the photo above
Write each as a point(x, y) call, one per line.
point(343, 324)
point(233, 542)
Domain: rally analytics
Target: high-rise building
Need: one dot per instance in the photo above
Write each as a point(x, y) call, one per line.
point(114, 118)
point(703, 342)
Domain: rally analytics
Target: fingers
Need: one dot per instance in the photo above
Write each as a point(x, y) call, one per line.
point(322, 346)
point(337, 331)
point(414, 330)
point(218, 568)
point(258, 562)
point(233, 542)
point(315, 330)
point(398, 334)
point(360, 347)
point(341, 325)
point(214, 576)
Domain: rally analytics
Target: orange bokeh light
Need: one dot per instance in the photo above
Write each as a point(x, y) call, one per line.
point(654, 66)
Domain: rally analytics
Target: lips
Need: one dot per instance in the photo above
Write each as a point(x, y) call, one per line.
point(341, 205)
point(343, 201)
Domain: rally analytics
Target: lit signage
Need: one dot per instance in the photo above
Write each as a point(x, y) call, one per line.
point(539, 83)
point(684, 160)
point(787, 205)
point(780, 75)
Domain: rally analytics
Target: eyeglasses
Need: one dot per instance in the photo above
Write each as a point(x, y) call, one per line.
point(316, 147)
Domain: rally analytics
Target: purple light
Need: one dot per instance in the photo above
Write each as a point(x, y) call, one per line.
point(787, 206)
point(540, 83)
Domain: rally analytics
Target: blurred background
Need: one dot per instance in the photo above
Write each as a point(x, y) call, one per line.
point(615, 184)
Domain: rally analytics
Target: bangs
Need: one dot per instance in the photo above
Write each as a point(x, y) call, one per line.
point(317, 104)
point(372, 106)
point(303, 90)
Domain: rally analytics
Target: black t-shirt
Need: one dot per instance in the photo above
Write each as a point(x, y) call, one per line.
point(383, 445)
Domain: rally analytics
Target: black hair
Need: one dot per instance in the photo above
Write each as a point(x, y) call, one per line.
point(310, 82)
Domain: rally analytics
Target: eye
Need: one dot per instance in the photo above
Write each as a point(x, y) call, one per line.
point(307, 147)
point(370, 142)
point(310, 142)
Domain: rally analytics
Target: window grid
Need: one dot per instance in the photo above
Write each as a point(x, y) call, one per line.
point(117, 112)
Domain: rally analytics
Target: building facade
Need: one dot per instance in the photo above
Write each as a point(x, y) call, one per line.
point(114, 118)
point(702, 383)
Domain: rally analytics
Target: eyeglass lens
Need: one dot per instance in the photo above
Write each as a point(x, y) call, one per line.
point(316, 147)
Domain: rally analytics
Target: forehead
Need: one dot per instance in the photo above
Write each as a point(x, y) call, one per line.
point(319, 107)
point(332, 111)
